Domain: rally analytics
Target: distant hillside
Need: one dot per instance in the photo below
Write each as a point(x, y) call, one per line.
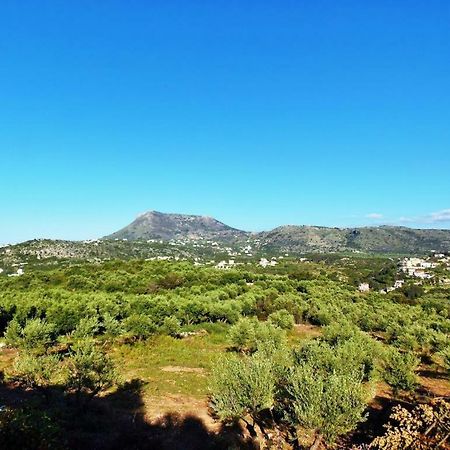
point(385, 239)
point(289, 238)
point(156, 225)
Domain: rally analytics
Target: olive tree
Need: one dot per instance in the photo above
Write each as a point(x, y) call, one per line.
point(243, 387)
point(35, 336)
point(399, 370)
point(90, 369)
point(36, 370)
point(323, 405)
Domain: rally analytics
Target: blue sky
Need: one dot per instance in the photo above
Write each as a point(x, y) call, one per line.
point(257, 113)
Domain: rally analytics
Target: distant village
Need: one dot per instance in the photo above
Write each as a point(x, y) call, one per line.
point(418, 269)
point(201, 252)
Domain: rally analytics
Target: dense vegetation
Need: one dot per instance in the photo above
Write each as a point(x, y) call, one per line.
point(71, 329)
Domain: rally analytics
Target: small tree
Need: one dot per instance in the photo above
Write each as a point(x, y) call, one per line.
point(324, 405)
point(242, 334)
point(282, 319)
point(36, 371)
point(241, 388)
point(398, 370)
point(13, 333)
point(112, 326)
point(171, 326)
point(248, 335)
point(87, 327)
point(90, 369)
point(139, 326)
point(35, 336)
point(268, 335)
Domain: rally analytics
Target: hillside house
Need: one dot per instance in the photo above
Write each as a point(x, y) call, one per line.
point(364, 287)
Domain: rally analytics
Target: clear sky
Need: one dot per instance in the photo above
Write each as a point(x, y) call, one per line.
point(259, 113)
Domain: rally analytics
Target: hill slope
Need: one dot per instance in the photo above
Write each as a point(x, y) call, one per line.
point(156, 225)
point(384, 239)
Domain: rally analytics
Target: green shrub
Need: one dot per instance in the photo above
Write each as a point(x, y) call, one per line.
point(242, 334)
point(282, 319)
point(90, 370)
point(398, 370)
point(36, 371)
point(13, 334)
point(139, 326)
point(268, 335)
point(324, 404)
point(35, 336)
point(242, 386)
point(87, 327)
point(171, 326)
point(112, 327)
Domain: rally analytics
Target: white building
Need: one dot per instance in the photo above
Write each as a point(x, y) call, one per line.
point(364, 287)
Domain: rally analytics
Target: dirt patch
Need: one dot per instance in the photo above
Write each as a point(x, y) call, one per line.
point(307, 330)
point(180, 369)
point(157, 407)
point(438, 387)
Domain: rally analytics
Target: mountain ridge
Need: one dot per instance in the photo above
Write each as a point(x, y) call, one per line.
point(289, 238)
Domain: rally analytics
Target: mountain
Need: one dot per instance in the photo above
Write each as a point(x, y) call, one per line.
point(383, 239)
point(157, 225)
point(288, 238)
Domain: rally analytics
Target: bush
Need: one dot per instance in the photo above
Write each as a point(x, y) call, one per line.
point(242, 335)
point(36, 371)
point(139, 326)
point(87, 327)
point(282, 319)
point(171, 326)
point(35, 336)
point(268, 335)
point(356, 356)
point(90, 369)
point(249, 334)
point(398, 370)
point(112, 326)
point(324, 404)
point(13, 334)
point(242, 386)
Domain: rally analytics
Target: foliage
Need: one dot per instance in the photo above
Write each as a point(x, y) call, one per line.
point(36, 371)
point(139, 326)
point(171, 326)
point(242, 334)
point(29, 428)
point(35, 336)
point(282, 319)
point(249, 334)
point(242, 387)
point(399, 369)
point(87, 327)
point(112, 327)
point(328, 404)
point(91, 370)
